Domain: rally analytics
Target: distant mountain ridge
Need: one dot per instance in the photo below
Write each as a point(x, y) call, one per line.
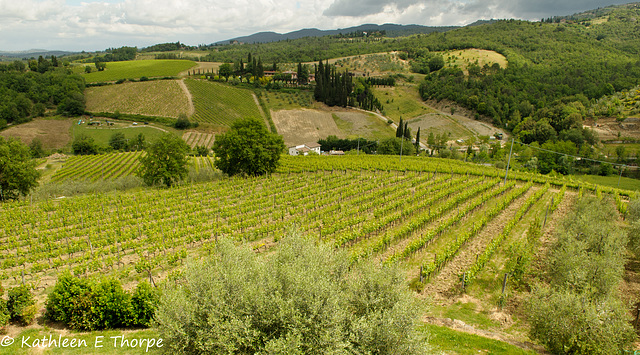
point(35, 53)
point(392, 30)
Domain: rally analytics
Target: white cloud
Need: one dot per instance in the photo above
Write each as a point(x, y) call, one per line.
point(96, 25)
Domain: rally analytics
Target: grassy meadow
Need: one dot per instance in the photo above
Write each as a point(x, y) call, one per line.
point(138, 68)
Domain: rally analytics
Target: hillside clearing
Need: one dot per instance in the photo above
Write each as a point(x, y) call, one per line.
point(164, 98)
point(53, 133)
point(304, 125)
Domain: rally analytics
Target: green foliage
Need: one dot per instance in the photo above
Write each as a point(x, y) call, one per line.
point(4, 313)
point(24, 95)
point(84, 145)
point(72, 105)
point(393, 146)
point(248, 148)
point(580, 312)
point(139, 68)
point(21, 305)
point(118, 141)
point(570, 323)
point(589, 254)
point(301, 300)
point(165, 161)
point(144, 302)
point(37, 151)
point(202, 151)
point(18, 175)
point(182, 122)
point(86, 304)
point(334, 143)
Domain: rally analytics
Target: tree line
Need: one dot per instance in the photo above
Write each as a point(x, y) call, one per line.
point(28, 93)
point(336, 88)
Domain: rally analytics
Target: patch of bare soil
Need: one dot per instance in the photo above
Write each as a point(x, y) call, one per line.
point(609, 128)
point(304, 125)
point(54, 134)
point(442, 287)
point(466, 118)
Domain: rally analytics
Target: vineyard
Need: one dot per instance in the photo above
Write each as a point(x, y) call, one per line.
point(152, 98)
point(197, 139)
point(420, 212)
point(109, 166)
point(221, 104)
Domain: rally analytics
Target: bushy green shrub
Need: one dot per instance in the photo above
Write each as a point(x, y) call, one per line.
point(567, 322)
point(85, 304)
point(4, 312)
point(144, 302)
point(21, 305)
point(301, 300)
point(580, 313)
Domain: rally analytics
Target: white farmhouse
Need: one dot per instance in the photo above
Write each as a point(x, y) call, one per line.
point(304, 149)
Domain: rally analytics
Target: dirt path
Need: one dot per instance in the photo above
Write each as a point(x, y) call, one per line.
point(441, 286)
point(264, 116)
point(192, 108)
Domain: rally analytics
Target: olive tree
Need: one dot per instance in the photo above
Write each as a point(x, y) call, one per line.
point(303, 299)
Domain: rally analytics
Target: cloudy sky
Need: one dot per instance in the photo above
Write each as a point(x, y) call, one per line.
point(98, 24)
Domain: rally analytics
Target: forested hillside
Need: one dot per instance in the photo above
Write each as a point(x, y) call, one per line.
point(555, 73)
point(48, 85)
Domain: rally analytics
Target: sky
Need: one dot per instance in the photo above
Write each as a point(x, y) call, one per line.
point(90, 25)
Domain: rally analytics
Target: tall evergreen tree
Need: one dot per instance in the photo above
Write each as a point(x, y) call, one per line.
point(407, 131)
point(400, 129)
point(418, 140)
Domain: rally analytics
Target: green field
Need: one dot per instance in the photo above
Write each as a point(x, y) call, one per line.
point(612, 181)
point(102, 134)
point(288, 100)
point(138, 68)
point(459, 343)
point(221, 104)
point(401, 101)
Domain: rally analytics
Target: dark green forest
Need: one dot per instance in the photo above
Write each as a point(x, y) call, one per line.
point(26, 94)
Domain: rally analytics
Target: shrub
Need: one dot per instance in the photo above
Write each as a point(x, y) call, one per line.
point(567, 322)
point(301, 300)
point(182, 122)
point(21, 305)
point(144, 302)
point(61, 301)
point(4, 312)
point(87, 305)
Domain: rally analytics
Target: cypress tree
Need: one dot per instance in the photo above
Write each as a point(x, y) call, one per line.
point(418, 140)
point(407, 131)
point(400, 129)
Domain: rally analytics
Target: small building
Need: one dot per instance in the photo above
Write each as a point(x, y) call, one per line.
point(336, 152)
point(304, 149)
